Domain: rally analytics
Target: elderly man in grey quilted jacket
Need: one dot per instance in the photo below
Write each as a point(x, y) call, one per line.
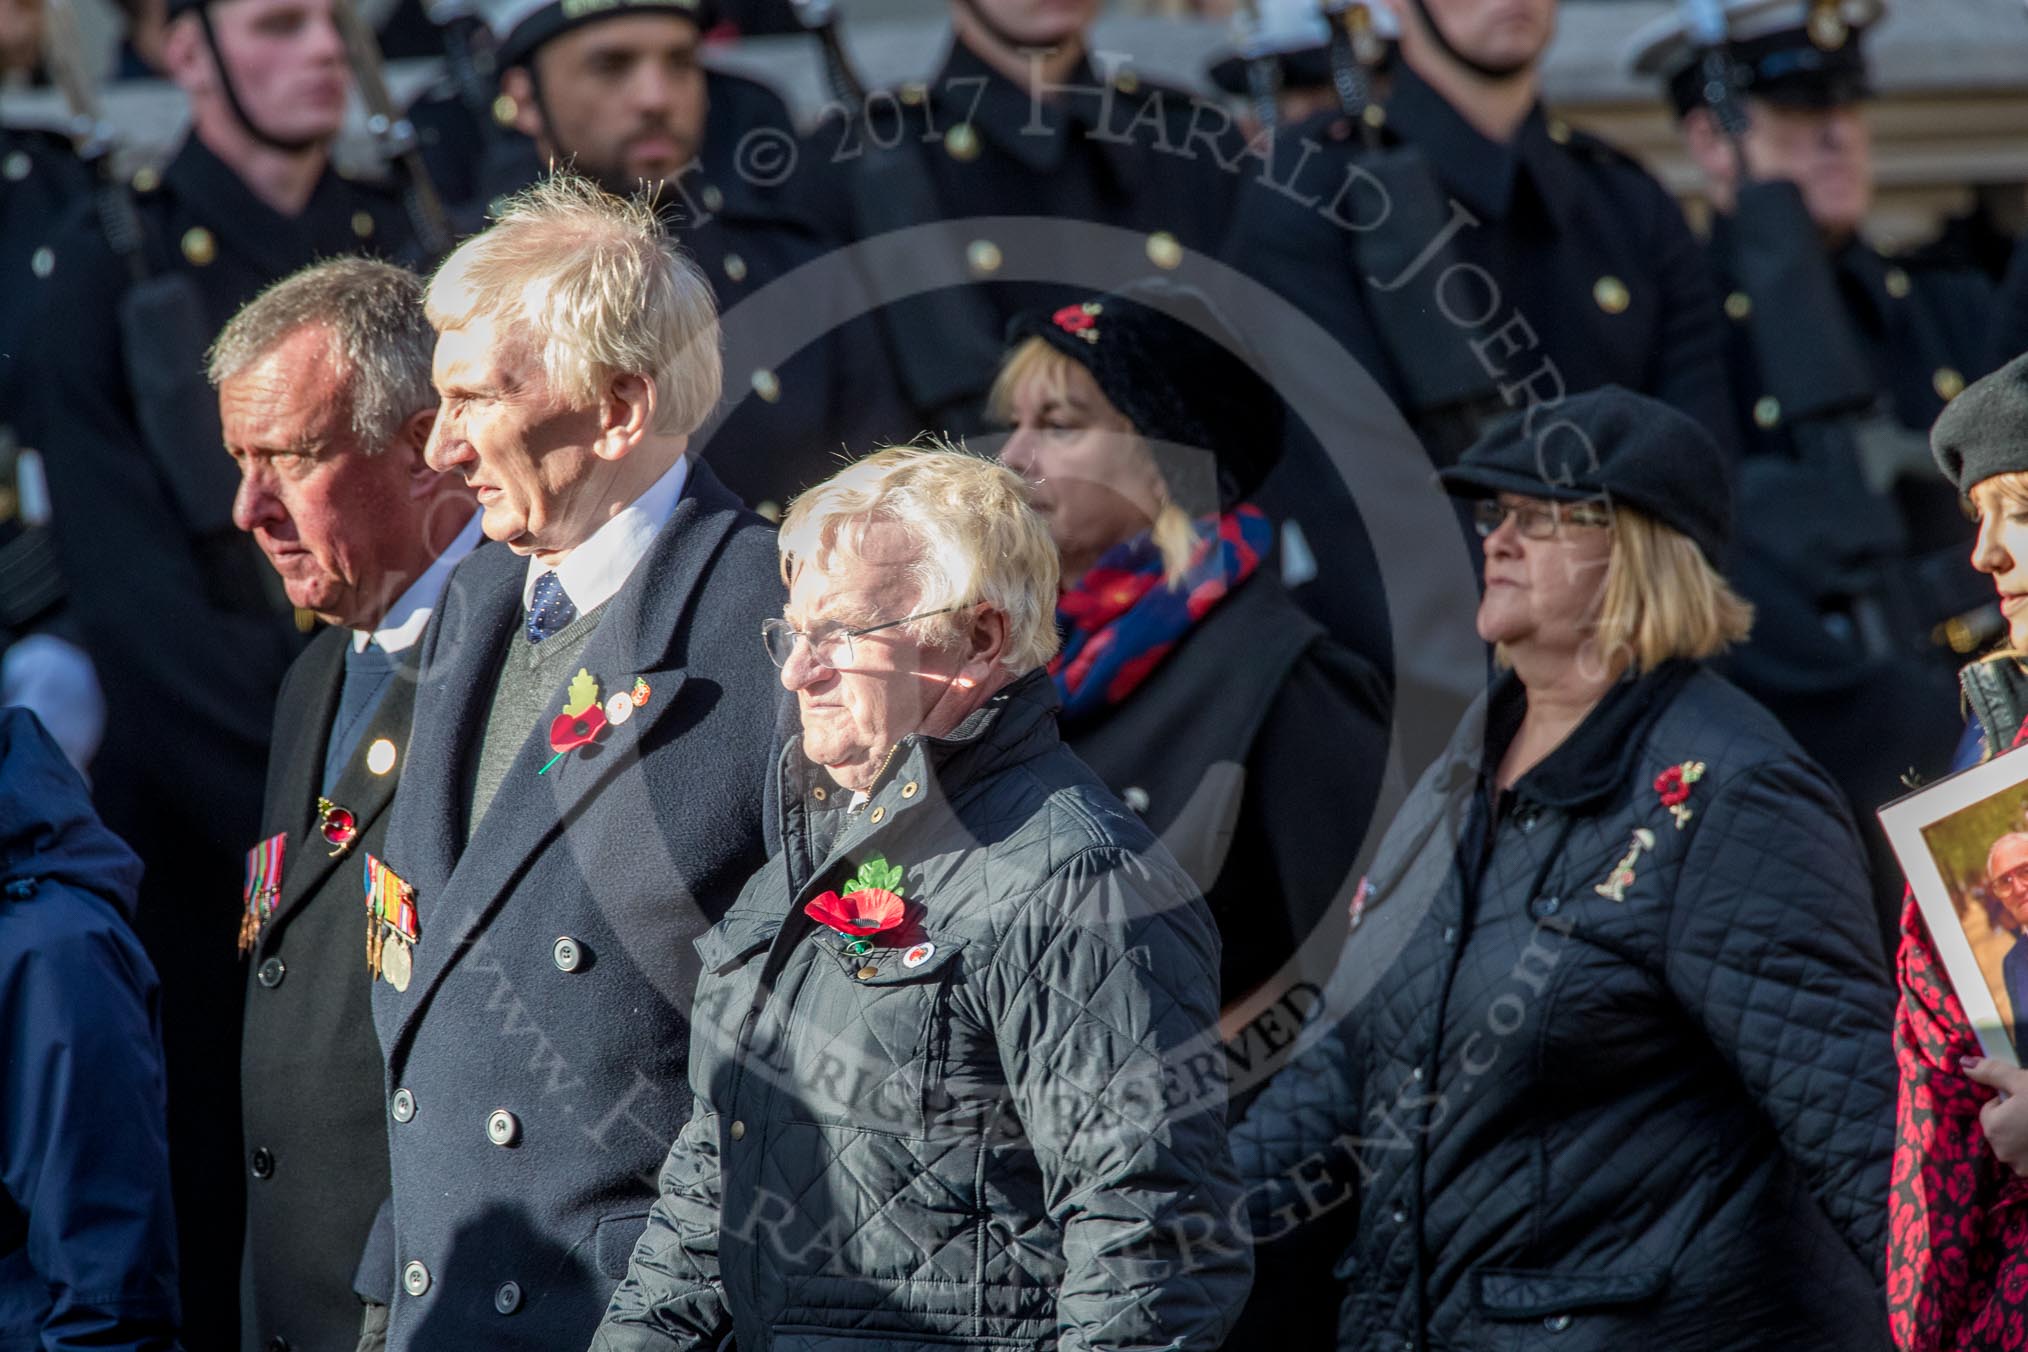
point(955, 1051)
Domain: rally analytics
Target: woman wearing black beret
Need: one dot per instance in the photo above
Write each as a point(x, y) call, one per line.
point(1609, 1063)
point(1958, 1248)
point(1250, 742)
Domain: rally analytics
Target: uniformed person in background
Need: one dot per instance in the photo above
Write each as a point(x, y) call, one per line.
point(1839, 360)
point(325, 396)
point(1474, 255)
point(1019, 120)
point(187, 626)
point(616, 93)
point(2010, 314)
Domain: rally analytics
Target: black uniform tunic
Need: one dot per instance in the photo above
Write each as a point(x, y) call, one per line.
point(182, 617)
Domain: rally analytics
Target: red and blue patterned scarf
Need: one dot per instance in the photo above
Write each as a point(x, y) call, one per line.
point(1121, 619)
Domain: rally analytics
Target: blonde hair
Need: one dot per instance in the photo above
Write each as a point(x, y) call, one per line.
point(1033, 359)
point(976, 538)
point(594, 282)
point(1662, 599)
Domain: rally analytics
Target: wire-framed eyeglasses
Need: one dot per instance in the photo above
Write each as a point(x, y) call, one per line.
point(830, 644)
point(1537, 520)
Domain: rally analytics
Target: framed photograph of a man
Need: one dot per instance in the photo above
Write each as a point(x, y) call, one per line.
point(1963, 846)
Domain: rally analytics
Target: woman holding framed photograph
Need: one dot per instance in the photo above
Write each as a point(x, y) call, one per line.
point(1958, 1217)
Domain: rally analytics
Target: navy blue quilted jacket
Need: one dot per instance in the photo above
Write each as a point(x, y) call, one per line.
point(1610, 1080)
point(1001, 1126)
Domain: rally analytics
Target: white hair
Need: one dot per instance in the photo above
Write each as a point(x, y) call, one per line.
point(597, 283)
point(976, 537)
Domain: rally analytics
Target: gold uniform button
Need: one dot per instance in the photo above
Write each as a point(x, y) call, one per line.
point(879, 816)
point(984, 256)
point(362, 224)
point(1375, 116)
point(1127, 82)
point(1767, 411)
point(1947, 383)
point(145, 179)
point(1897, 283)
point(505, 110)
point(1738, 306)
point(1559, 131)
point(908, 790)
point(820, 793)
point(737, 1131)
point(868, 973)
point(380, 756)
point(767, 385)
point(913, 93)
point(1611, 294)
point(306, 620)
point(961, 143)
point(43, 261)
point(16, 166)
point(1164, 251)
point(735, 267)
point(772, 510)
point(1827, 27)
point(713, 199)
point(198, 246)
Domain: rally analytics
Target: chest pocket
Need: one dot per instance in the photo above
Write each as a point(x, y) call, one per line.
point(872, 1031)
point(735, 940)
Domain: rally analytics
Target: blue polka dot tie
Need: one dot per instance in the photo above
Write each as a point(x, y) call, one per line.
point(550, 610)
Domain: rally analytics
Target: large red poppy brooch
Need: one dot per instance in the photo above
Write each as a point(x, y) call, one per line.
point(1673, 785)
point(1081, 320)
point(871, 904)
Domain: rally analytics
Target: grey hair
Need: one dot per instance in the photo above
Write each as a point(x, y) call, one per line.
point(381, 340)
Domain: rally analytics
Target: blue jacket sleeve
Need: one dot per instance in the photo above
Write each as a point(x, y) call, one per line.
point(84, 1155)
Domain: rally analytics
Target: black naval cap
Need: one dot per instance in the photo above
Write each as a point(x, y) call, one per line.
point(521, 26)
point(1984, 431)
point(1174, 372)
point(1798, 53)
point(1611, 444)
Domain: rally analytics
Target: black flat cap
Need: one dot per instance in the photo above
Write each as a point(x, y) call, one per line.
point(521, 26)
point(1611, 444)
point(1984, 431)
point(1163, 356)
point(1800, 53)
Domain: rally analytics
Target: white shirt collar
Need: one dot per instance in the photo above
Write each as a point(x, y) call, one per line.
point(595, 571)
point(410, 615)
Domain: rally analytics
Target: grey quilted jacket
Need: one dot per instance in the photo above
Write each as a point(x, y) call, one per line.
point(1001, 1125)
point(1608, 1081)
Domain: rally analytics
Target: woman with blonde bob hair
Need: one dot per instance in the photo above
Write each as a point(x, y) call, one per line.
point(1609, 1059)
point(1189, 679)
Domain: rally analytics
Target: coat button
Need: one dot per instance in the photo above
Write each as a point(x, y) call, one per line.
point(1947, 383)
point(566, 954)
point(983, 257)
point(1135, 797)
point(1165, 251)
point(1557, 1323)
point(820, 793)
point(910, 789)
point(508, 1298)
point(1610, 294)
point(1450, 934)
point(713, 198)
point(1738, 306)
point(738, 1130)
point(1416, 1075)
point(879, 816)
point(868, 973)
point(1548, 905)
point(263, 1162)
point(271, 973)
point(1400, 1216)
point(415, 1278)
point(404, 1105)
point(502, 1128)
point(1525, 819)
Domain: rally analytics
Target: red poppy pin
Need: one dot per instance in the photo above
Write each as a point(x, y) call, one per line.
point(1081, 320)
point(337, 825)
point(1673, 785)
point(871, 903)
point(581, 721)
